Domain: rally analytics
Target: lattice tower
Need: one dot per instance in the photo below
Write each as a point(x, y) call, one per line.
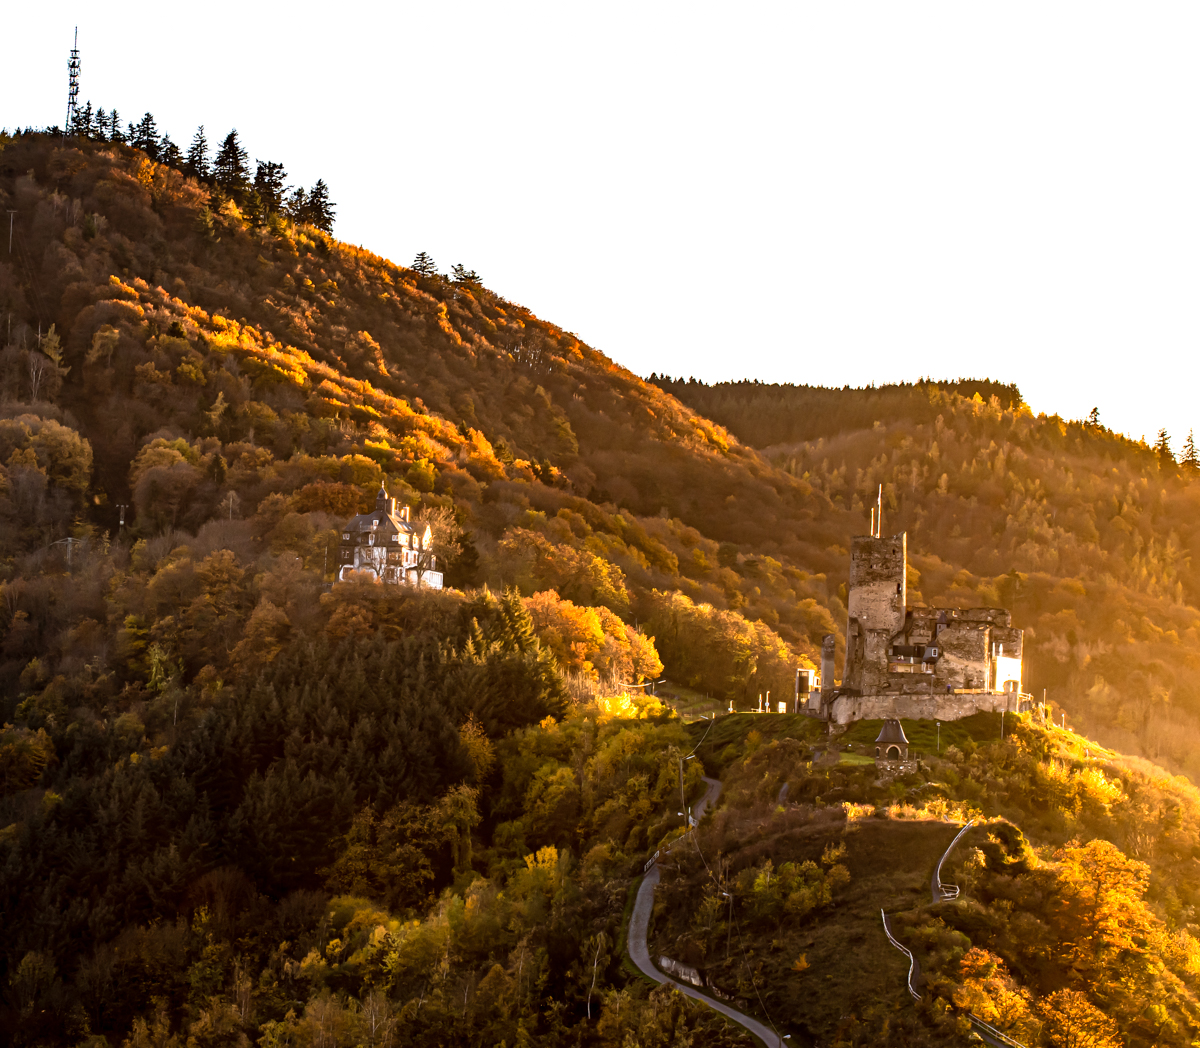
point(72, 85)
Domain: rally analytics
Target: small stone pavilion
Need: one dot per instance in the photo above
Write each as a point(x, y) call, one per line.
point(891, 750)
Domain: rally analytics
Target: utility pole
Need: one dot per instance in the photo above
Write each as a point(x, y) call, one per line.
point(10, 232)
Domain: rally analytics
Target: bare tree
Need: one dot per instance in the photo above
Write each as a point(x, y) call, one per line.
point(39, 368)
point(443, 538)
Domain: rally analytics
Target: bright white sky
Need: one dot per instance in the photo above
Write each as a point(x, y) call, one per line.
point(835, 193)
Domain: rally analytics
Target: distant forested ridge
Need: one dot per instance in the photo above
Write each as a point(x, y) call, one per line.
point(766, 413)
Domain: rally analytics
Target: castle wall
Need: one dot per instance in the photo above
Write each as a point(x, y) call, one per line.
point(944, 707)
point(964, 661)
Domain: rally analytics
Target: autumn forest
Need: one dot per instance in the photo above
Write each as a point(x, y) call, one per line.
point(244, 803)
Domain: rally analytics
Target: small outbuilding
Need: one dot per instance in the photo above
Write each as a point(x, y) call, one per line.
point(892, 743)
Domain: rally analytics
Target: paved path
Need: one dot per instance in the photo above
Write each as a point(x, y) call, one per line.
point(939, 892)
point(639, 925)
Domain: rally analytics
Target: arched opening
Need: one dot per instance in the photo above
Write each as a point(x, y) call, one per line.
point(893, 753)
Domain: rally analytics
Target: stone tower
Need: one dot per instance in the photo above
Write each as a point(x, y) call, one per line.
point(876, 606)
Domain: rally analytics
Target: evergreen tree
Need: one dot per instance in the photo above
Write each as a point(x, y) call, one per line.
point(100, 130)
point(81, 123)
point(169, 153)
point(320, 207)
point(1162, 448)
point(424, 265)
point(1190, 460)
point(269, 179)
point(229, 168)
point(1093, 418)
point(296, 205)
point(196, 162)
point(464, 276)
point(144, 136)
point(115, 134)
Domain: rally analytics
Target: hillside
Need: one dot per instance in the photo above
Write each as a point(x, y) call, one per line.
point(242, 803)
point(209, 368)
point(194, 717)
point(1089, 537)
point(1075, 917)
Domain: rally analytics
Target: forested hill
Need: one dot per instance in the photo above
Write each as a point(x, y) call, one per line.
point(1090, 537)
point(244, 803)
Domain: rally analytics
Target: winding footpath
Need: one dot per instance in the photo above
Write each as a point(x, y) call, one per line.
point(639, 925)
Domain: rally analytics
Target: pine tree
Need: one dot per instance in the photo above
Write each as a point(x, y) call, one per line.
point(145, 136)
point(1162, 448)
point(229, 168)
point(1190, 460)
point(320, 207)
point(424, 265)
point(296, 205)
point(1093, 418)
point(196, 162)
point(169, 153)
point(269, 179)
point(464, 276)
point(115, 134)
point(101, 129)
point(81, 124)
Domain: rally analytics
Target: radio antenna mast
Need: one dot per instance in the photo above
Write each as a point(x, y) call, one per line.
point(72, 86)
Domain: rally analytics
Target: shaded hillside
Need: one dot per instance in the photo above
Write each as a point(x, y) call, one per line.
point(1089, 537)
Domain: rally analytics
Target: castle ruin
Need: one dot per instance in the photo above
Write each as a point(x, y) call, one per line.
point(918, 663)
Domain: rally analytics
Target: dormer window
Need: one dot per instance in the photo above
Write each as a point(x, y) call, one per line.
point(395, 538)
point(345, 535)
point(375, 523)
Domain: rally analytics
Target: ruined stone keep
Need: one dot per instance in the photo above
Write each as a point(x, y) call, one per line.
point(387, 544)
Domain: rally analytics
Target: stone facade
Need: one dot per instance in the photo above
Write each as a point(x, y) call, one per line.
point(387, 544)
point(942, 663)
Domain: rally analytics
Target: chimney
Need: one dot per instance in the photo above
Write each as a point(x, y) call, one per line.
point(404, 513)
